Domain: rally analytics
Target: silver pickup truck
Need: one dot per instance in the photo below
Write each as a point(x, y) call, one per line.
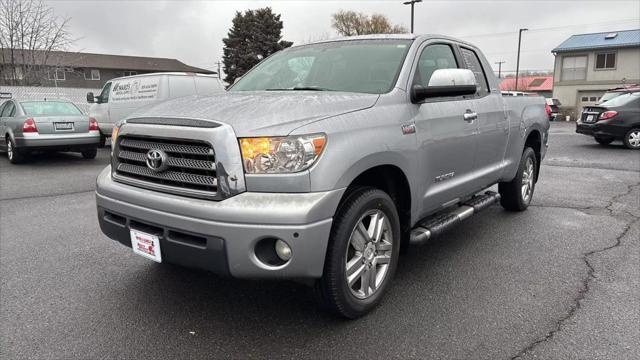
point(322, 163)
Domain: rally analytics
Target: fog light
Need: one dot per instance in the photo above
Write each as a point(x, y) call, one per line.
point(283, 250)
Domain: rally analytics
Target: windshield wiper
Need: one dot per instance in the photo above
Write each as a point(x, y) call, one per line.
point(302, 88)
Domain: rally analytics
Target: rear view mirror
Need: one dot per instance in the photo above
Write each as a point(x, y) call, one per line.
point(90, 97)
point(444, 83)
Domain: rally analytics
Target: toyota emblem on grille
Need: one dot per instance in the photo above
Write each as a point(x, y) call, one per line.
point(157, 160)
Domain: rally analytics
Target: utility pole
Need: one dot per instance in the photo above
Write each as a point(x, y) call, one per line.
point(518, 61)
point(500, 68)
point(412, 3)
point(219, 75)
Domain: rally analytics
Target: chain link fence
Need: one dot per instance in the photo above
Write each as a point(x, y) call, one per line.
point(78, 96)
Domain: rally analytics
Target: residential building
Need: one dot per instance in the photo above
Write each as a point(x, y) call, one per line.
point(79, 70)
point(586, 65)
point(541, 85)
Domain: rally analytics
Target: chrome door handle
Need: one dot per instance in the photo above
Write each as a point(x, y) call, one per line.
point(469, 116)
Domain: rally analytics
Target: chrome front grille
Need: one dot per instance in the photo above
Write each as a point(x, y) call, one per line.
point(191, 165)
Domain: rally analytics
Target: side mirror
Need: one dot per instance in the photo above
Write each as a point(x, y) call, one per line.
point(445, 83)
point(90, 97)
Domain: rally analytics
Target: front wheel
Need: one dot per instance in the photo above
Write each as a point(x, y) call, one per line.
point(516, 194)
point(632, 139)
point(362, 255)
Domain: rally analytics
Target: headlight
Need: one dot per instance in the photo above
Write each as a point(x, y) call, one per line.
point(273, 155)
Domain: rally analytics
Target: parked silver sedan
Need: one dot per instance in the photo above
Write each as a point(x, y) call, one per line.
point(27, 126)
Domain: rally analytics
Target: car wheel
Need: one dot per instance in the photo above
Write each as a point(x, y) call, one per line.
point(604, 140)
point(632, 139)
point(14, 155)
point(516, 194)
point(90, 154)
point(362, 254)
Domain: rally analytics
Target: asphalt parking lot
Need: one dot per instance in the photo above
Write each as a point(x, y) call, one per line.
point(559, 281)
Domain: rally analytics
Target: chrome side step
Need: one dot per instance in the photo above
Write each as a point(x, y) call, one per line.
point(436, 225)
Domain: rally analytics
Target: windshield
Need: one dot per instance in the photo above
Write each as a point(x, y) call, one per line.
point(623, 99)
point(360, 66)
point(34, 108)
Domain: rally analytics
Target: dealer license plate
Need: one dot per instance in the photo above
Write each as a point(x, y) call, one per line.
point(146, 245)
point(63, 126)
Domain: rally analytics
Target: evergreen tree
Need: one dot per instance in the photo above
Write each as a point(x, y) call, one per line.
point(253, 36)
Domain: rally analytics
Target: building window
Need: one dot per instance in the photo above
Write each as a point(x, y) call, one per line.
point(574, 68)
point(593, 98)
point(584, 98)
point(13, 74)
point(130, 73)
point(605, 61)
point(92, 74)
point(56, 74)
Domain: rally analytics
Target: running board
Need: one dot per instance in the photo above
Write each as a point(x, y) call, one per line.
point(436, 225)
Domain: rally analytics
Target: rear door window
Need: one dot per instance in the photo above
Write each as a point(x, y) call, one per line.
point(472, 62)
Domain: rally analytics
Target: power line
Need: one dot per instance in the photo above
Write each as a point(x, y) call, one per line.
point(550, 28)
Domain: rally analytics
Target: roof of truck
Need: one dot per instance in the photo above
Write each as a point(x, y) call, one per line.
point(393, 37)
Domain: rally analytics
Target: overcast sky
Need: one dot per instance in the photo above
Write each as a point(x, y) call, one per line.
point(192, 32)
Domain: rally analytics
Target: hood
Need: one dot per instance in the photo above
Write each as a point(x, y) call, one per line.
point(264, 113)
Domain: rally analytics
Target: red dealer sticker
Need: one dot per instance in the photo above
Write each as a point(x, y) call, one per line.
point(146, 245)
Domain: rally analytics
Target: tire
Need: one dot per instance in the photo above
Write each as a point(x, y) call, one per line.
point(632, 139)
point(333, 290)
point(103, 141)
point(90, 153)
point(514, 197)
point(604, 140)
point(14, 155)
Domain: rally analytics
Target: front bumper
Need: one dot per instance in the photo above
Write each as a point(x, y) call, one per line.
point(50, 141)
point(220, 236)
point(601, 129)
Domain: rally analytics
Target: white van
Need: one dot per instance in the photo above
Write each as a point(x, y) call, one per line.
point(122, 96)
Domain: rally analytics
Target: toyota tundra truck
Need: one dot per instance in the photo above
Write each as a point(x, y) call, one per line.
point(322, 163)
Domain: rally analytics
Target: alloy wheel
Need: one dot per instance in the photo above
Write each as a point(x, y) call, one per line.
point(9, 149)
point(368, 254)
point(527, 180)
point(634, 138)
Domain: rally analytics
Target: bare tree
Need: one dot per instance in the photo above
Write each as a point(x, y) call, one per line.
point(29, 32)
point(350, 23)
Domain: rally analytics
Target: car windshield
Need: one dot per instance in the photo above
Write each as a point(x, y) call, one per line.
point(360, 66)
point(623, 99)
point(44, 108)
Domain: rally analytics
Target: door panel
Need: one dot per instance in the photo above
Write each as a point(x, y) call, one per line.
point(446, 142)
point(447, 150)
point(492, 123)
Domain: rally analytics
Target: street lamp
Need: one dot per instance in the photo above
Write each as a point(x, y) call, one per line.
point(412, 3)
point(518, 61)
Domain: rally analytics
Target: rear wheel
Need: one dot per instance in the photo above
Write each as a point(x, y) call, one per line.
point(604, 140)
point(15, 156)
point(516, 194)
point(90, 154)
point(632, 139)
point(362, 255)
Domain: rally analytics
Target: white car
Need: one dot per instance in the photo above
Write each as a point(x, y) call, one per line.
point(122, 96)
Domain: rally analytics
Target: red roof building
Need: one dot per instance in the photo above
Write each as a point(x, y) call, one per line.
point(537, 84)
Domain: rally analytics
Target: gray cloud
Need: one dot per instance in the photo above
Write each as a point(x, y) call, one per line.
point(192, 31)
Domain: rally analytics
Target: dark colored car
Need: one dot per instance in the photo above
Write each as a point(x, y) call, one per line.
point(616, 119)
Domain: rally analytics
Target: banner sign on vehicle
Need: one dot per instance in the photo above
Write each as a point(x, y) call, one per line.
point(135, 89)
